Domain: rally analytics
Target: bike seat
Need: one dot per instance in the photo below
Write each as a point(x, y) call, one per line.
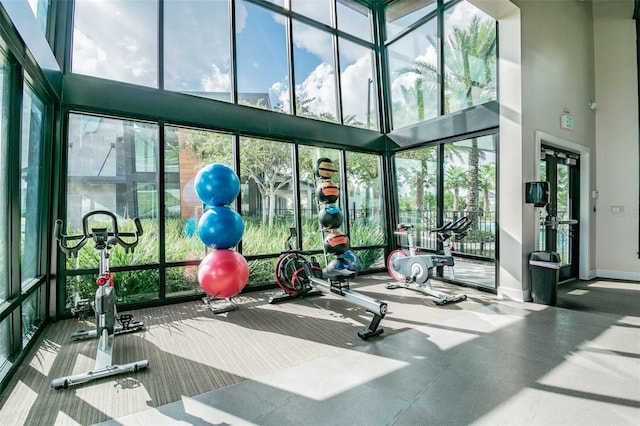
point(404, 226)
point(340, 274)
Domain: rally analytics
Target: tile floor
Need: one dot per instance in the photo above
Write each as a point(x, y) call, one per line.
point(491, 362)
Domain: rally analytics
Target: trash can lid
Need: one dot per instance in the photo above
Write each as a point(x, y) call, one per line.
point(547, 265)
point(545, 256)
point(546, 259)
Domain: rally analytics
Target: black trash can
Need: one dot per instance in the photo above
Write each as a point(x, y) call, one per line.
point(545, 270)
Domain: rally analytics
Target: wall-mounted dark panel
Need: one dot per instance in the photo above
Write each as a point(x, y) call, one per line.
point(470, 120)
point(95, 94)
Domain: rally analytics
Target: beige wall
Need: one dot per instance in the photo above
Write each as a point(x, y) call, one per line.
point(552, 60)
point(616, 140)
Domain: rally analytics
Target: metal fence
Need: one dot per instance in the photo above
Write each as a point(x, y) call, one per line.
point(479, 241)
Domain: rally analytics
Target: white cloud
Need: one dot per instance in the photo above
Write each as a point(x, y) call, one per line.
point(279, 94)
point(314, 41)
point(320, 85)
point(217, 81)
point(89, 52)
point(355, 83)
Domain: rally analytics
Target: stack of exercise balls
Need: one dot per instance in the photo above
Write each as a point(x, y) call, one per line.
point(330, 217)
point(223, 272)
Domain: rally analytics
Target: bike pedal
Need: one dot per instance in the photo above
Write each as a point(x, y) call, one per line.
point(125, 320)
point(82, 309)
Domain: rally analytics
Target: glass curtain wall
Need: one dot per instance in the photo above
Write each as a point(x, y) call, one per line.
point(365, 207)
point(25, 144)
point(5, 321)
point(31, 183)
point(270, 57)
point(204, 68)
point(440, 184)
point(186, 152)
point(117, 40)
point(262, 61)
point(32, 190)
point(5, 77)
point(113, 165)
point(432, 71)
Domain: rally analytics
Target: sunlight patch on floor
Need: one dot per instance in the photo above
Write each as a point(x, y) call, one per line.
point(349, 369)
point(207, 413)
point(101, 394)
point(18, 405)
point(45, 358)
point(578, 292)
point(615, 285)
point(446, 339)
point(64, 419)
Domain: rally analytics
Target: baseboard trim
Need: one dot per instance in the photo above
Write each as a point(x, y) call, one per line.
point(618, 275)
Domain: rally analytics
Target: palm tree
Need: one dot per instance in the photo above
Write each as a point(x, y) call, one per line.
point(470, 57)
point(477, 42)
point(455, 177)
point(486, 182)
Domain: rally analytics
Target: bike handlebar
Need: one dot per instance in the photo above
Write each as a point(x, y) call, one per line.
point(71, 250)
point(458, 227)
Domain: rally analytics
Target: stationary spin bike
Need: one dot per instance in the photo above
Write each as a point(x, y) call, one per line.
point(104, 305)
point(414, 271)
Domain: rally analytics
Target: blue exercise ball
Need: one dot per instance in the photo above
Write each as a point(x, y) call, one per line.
point(350, 258)
point(189, 228)
point(216, 185)
point(220, 227)
point(330, 217)
point(336, 265)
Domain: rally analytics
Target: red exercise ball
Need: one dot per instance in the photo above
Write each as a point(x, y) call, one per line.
point(223, 273)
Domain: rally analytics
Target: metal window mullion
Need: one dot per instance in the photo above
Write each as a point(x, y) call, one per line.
point(160, 180)
point(381, 71)
point(292, 83)
point(160, 44)
point(234, 52)
point(338, 86)
point(14, 134)
point(344, 191)
point(295, 171)
point(236, 167)
point(441, 64)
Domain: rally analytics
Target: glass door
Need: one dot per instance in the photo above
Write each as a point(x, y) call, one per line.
point(559, 219)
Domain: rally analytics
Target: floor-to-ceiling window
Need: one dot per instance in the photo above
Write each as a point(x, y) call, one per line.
point(438, 184)
point(186, 152)
point(262, 62)
point(5, 336)
point(365, 207)
point(116, 39)
point(204, 68)
point(440, 59)
point(31, 183)
point(32, 193)
point(25, 186)
point(314, 59)
point(4, 182)
point(112, 165)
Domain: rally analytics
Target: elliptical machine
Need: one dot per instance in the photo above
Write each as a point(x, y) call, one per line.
point(414, 271)
point(104, 305)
